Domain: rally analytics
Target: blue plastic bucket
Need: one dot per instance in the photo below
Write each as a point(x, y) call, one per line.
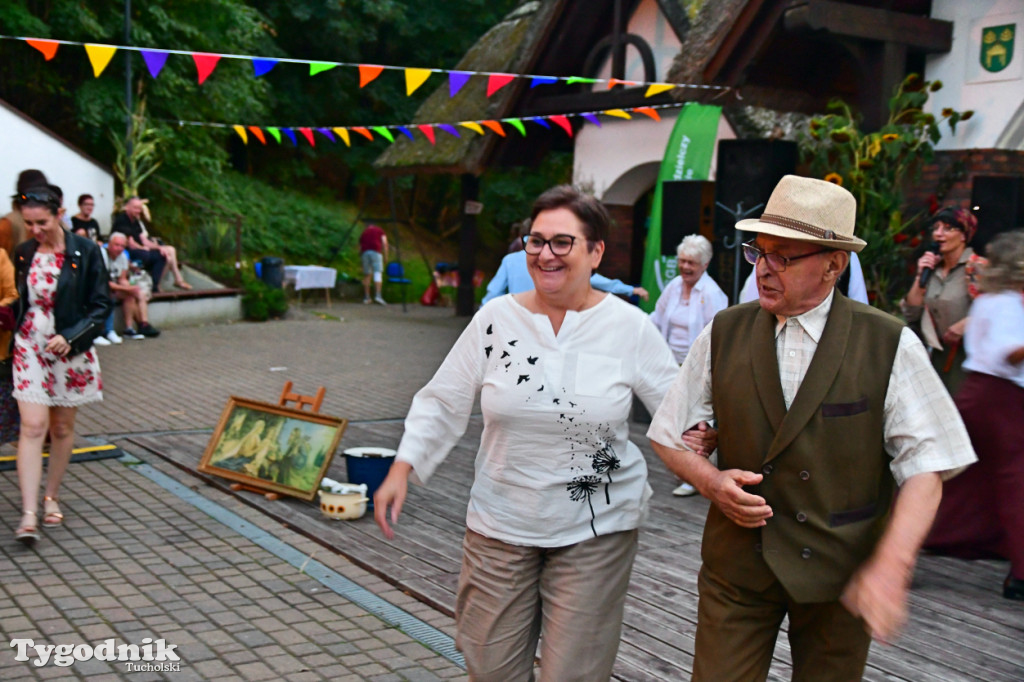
point(368, 465)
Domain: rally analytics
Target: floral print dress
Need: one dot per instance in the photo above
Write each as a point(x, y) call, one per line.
point(39, 376)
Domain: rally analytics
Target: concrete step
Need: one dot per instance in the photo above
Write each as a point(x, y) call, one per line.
point(208, 302)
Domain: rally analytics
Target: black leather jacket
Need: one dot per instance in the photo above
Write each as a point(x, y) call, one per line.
point(83, 290)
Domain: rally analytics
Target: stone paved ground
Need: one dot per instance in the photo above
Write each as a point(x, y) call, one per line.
point(134, 561)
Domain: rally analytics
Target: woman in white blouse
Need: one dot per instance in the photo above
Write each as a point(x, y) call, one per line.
point(686, 306)
point(559, 491)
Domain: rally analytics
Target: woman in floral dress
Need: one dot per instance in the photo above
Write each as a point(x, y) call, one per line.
point(64, 300)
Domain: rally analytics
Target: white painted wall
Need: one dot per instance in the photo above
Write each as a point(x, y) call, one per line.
point(26, 144)
point(650, 24)
point(994, 97)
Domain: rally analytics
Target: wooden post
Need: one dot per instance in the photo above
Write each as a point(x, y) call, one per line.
point(465, 299)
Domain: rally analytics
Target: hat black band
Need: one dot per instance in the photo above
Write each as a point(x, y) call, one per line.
point(806, 228)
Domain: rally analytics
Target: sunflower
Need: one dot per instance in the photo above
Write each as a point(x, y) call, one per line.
point(865, 163)
point(966, 115)
point(947, 112)
point(834, 178)
point(890, 137)
point(842, 135)
point(936, 86)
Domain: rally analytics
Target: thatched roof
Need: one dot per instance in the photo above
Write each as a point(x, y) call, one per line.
point(508, 47)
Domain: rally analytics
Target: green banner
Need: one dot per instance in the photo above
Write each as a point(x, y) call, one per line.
point(687, 157)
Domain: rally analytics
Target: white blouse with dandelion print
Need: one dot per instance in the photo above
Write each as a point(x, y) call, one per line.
point(555, 465)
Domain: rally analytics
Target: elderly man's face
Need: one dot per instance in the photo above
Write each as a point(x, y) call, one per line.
point(803, 284)
point(115, 247)
point(133, 209)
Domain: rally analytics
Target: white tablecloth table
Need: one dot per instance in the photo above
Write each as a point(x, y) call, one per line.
point(311, 277)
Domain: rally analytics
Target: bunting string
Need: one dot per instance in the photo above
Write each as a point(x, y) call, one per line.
point(155, 58)
point(428, 130)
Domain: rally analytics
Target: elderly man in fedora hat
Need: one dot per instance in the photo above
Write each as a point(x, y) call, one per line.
point(824, 406)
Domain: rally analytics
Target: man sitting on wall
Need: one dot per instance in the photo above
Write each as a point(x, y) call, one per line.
point(133, 297)
point(152, 254)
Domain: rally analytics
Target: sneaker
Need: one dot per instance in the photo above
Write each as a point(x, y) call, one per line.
point(113, 337)
point(380, 300)
point(684, 490)
point(366, 301)
point(148, 330)
point(101, 341)
point(130, 333)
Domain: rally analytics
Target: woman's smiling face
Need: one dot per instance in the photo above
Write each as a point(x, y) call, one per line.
point(554, 274)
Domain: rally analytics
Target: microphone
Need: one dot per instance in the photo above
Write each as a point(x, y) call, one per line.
point(926, 273)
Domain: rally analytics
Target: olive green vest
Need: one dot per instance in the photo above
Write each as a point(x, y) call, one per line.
point(826, 472)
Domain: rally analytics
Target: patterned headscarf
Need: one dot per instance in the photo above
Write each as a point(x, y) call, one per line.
point(960, 218)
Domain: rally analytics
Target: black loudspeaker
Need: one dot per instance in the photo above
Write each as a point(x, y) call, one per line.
point(998, 203)
point(687, 207)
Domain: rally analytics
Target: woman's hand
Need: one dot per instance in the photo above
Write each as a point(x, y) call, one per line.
point(702, 439)
point(929, 259)
point(955, 333)
point(391, 493)
point(58, 346)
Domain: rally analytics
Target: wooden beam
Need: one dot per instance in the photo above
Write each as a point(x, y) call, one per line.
point(918, 33)
point(619, 98)
point(676, 17)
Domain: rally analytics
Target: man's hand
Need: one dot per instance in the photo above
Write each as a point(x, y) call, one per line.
point(702, 439)
point(726, 490)
point(878, 594)
point(641, 292)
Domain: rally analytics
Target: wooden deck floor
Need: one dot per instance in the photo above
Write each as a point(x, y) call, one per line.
point(960, 626)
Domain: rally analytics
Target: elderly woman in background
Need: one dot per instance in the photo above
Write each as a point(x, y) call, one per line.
point(938, 310)
point(559, 491)
point(981, 514)
point(687, 304)
point(63, 302)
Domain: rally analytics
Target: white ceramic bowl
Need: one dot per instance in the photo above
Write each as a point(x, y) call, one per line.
point(348, 502)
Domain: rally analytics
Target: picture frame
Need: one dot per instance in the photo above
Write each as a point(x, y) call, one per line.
point(272, 448)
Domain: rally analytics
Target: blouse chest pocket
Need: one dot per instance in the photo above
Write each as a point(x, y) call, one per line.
point(597, 375)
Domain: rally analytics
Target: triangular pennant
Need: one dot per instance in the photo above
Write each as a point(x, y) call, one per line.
point(47, 47)
point(472, 125)
point(261, 67)
point(291, 136)
point(562, 123)
point(367, 72)
point(657, 88)
point(612, 82)
point(327, 133)
point(540, 120)
point(448, 128)
point(99, 57)
point(495, 126)
point(542, 80)
point(275, 132)
point(405, 131)
point(456, 79)
point(618, 113)
point(320, 67)
point(258, 134)
point(364, 132)
point(241, 133)
point(343, 134)
point(308, 134)
point(593, 119)
point(517, 124)
point(648, 111)
point(384, 132)
point(496, 81)
point(579, 79)
point(154, 61)
point(428, 132)
point(205, 64)
point(414, 78)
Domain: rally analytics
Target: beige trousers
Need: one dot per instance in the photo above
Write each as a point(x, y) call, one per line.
point(571, 598)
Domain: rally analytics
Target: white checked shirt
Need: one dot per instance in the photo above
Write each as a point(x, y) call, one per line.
point(922, 429)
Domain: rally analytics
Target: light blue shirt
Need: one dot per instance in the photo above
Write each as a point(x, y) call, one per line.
point(513, 277)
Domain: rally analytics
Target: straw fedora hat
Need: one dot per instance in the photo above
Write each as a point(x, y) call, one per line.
point(809, 210)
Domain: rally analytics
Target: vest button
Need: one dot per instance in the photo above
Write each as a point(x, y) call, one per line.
point(801, 517)
point(806, 553)
point(766, 469)
point(804, 475)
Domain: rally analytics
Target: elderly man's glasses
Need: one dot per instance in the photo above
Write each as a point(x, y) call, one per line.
point(774, 261)
point(560, 244)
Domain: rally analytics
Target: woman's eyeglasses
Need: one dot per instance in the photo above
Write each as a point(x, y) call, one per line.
point(940, 226)
point(560, 244)
point(25, 197)
point(774, 261)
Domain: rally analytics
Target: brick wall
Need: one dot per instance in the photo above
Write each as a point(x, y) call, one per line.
point(950, 176)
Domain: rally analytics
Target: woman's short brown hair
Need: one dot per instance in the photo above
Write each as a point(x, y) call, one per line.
point(591, 212)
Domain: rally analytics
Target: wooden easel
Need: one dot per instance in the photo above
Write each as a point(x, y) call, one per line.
point(301, 401)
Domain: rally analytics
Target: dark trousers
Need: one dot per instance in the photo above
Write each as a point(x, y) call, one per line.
point(737, 628)
point(152, 261)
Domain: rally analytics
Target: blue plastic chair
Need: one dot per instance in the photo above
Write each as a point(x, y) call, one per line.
point(396, 275)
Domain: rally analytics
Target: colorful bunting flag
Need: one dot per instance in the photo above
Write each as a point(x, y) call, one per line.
point(326, 133)
point(428, 132)
point(99, 57)
point(517, 124)
point(275, 132)
point(384, 132)
point(343, 134)
point(612, 82)
point(257, 132)
point(414, 78)
point(260, 67)
point(405, 131)
point(658, 88)
point(562, 122)
point(308, 134)
point(496, 81)
point(456, 79)
point(154, 61)
point(472, 125)
point(291, 136)
point(320, 67)
point(572, 80)
point(542, 80)
point(495, 126)
point(205, 64)
point(593, 119)
point(47, 47)
point(367, 72)
point(448, 128)
point(617, 112)
point(648, 111)
point(364, 132)
point(541, 120)
point(241, 133)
